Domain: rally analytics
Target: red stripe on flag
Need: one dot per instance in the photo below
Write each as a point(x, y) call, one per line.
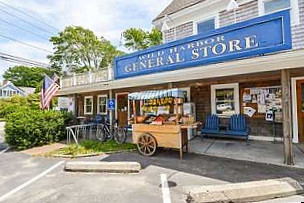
point(49, 98)
point(50, 94)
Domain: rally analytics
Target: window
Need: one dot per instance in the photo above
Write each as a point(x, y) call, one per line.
point(206, 25)
point(276, 5)
point(88, 105)
point(225, 99)
point(272, 6)
point(102, 104)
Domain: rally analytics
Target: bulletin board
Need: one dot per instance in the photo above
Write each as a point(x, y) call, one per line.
point(257, 101)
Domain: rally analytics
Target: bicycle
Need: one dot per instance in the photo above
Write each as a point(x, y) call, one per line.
point(117, 133)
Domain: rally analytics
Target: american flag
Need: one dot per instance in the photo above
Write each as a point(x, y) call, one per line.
point(49, 89)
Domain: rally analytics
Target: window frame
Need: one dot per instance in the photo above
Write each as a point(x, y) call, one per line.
point(85, 105)
point(236, 98)
point(294, 10)
point(98, 104)
point(216, 22)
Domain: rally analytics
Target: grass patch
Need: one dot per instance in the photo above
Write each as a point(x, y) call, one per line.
point(89, 147)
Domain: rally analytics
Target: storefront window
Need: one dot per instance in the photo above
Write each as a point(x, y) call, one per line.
point(225, 99)
point(88, 105)
point(102, 104)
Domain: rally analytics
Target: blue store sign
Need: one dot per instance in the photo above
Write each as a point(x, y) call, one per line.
point(262, 35)
point(111, 104)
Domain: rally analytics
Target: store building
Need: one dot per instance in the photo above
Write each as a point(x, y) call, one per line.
point(247, 60)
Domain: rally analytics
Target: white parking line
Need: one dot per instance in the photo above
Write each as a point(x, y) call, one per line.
point(165, 189)
point(2, 198)
point(4, 150)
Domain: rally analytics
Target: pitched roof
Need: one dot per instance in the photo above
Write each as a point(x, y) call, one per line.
point(177, 5)
point(27, 90)
point(11, 85)
point(24, 90)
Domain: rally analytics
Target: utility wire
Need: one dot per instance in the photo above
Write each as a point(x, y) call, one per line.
point(22, 62)
point(24, 59)
point(33, 46)
point(29, 23)
point(26, 30)
point(33, 17)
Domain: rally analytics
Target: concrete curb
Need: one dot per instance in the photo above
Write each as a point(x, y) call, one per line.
point(246, 192)
point(104, 167)
point(90, 155)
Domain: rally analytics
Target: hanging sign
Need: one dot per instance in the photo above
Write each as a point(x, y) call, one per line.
point(262, 35)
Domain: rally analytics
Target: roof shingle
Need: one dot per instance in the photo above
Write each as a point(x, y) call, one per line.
point(177, 5)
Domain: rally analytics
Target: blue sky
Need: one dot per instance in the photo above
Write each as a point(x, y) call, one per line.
point(104, 17)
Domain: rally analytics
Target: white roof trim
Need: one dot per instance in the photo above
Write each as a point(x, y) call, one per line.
point(14, 86)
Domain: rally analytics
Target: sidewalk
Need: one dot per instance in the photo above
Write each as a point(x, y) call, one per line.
point(257, 151)
point(43, 149)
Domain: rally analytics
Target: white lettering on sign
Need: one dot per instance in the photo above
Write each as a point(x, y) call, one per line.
point(215, 46)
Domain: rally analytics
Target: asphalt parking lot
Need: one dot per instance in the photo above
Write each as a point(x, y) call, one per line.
point(28, 179)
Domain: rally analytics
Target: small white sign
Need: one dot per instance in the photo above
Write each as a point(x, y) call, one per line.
point(249, 111)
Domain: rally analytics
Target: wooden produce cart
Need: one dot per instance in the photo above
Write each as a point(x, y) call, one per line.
point(148, 137)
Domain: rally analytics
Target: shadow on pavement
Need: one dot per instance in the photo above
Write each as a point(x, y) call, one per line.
point(212, 167)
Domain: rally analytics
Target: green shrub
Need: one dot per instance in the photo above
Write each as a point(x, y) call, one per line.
point(17, 103)
point(29, 127)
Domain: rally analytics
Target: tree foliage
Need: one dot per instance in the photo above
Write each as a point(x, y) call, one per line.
point(78, 50)
point(137, 39)
point(26, 76)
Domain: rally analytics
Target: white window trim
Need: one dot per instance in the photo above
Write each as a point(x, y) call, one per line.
point(216, 22)
point(294, 10)
point(85, 105)
point(98, 104)
point(235, 86)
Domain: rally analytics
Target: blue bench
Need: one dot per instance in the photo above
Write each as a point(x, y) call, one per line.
point(237, 127)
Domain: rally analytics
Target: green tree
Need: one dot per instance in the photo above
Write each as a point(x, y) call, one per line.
point(79, 50)
point(137, 39)
point(26, 76)
point(155, 37)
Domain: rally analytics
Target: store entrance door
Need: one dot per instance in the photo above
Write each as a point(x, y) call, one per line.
point(300, 109)
point(122, 109)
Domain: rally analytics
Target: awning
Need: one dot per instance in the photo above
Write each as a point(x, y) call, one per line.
point(157, 94)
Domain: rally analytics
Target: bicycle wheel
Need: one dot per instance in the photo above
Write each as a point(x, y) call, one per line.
point(101, 134)
point(120, 135)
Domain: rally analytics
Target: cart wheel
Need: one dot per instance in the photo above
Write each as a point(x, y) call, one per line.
point(146, 144)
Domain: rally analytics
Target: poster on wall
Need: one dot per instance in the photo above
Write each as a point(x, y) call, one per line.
point(262, 99)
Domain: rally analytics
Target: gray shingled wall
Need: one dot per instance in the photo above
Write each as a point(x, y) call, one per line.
point(182, 31)
point(245, 12)
point(298, 30)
